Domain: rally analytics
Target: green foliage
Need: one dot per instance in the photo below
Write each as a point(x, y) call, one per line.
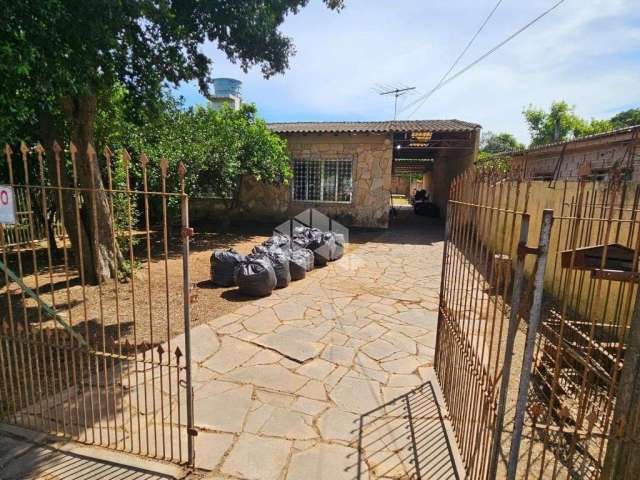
point(492, 161)
point(560, 123)
point(499, 143)
point(628, 118)
point(51, 49)
point(216, 147)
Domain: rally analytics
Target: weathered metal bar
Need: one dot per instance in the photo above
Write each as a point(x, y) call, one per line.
point(186, 286)
point(29, 384)
point(534, 321)
point(80, 262)
point(514, 320)
point(61, 210)
point(126, 160)
point(41, 363)
point(621, 459)
point(144, 161)
point(164, 164)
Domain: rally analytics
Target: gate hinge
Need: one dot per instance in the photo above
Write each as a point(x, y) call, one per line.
point(187, 232)
point(524, 250)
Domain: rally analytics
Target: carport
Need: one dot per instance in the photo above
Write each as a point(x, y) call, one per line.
point(435, 151)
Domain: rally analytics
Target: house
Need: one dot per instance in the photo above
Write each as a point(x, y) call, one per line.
point(592, 156)
point(345, 169)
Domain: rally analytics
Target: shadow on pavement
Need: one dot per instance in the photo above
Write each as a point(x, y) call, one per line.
point(406, 438)
point(37, 461)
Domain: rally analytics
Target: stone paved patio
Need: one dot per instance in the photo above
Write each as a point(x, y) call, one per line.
point(282, 383)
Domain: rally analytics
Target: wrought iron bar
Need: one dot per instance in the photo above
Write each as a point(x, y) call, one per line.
point(532, 331)
point(514, 320)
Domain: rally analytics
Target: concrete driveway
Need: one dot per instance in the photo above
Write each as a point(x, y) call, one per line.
point(289, 386)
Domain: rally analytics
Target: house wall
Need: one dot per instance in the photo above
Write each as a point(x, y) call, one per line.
point(447, 165)
point(599, 153)
point(400, 185)
point(371, 155)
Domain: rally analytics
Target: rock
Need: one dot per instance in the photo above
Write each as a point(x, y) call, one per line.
point(322, 462)
point(335, 424)
point(211, 447)
point(356, 395)
point(257, 458)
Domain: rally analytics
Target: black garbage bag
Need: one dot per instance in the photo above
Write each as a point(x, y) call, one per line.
point(223, 267)
point(255, 276)
point(278, 240)
point(299, 242)
point(297, 268)
point(260, 250)
point(339, 251)
point(323, 246)
point(301, 262)
point(303, 237)
point(280, 260)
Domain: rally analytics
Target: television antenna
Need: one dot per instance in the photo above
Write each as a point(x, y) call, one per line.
point(396, 92)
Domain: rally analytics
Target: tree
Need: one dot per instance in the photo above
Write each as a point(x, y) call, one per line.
point(560, 123)
point(628, 118)
point(218, 148)
point(61, 59)
point(499, 142)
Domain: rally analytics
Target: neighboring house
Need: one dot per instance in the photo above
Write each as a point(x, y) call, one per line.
point(592, 156)
point(344, 169)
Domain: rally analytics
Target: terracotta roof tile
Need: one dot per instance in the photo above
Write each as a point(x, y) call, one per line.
point(394, 126)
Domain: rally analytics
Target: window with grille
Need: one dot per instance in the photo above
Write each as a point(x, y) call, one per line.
point(322, 180)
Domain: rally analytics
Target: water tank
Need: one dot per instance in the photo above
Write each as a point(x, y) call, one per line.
point(227, 87)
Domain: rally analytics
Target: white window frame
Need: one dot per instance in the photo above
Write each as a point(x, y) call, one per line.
point(321, 164)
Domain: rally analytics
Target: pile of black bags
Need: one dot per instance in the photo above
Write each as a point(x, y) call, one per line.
point(277, 261)
point(326, 246)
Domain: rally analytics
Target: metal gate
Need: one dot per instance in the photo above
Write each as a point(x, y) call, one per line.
point(94, 288)
point(538, 307)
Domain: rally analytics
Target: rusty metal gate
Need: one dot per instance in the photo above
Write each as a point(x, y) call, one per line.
point(94, 288)
point(539, 304)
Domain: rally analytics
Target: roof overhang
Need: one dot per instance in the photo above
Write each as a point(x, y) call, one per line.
point(393, 126)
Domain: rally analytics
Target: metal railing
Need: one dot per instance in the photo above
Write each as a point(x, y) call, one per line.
point(88, 314)
point(537, 309)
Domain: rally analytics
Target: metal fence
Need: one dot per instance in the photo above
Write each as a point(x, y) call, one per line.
point(538, 304)
point(90, 313)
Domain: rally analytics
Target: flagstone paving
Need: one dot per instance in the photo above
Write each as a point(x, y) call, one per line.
point(282, 382)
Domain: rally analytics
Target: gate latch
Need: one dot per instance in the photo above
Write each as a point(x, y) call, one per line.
point(524, 250)
point(187, 232)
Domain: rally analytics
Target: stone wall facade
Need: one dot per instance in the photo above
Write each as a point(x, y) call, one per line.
point(400, 185)
point(371, 156)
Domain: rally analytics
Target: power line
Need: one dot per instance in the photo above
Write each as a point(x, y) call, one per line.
point(420, 101)
point(486, 20)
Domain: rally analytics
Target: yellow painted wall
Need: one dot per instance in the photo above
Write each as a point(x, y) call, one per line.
point(594, 300)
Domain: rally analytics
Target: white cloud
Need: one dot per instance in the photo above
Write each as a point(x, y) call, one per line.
point(586, 52)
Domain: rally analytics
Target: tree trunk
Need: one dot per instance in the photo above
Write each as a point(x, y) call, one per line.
point(101, 261)
point(65, 200)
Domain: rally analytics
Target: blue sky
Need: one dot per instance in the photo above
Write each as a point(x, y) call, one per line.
point(586, 52)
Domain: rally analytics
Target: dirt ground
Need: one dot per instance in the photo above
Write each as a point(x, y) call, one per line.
point(142, 311)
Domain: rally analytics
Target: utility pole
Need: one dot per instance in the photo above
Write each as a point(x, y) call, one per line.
point(396, 93)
